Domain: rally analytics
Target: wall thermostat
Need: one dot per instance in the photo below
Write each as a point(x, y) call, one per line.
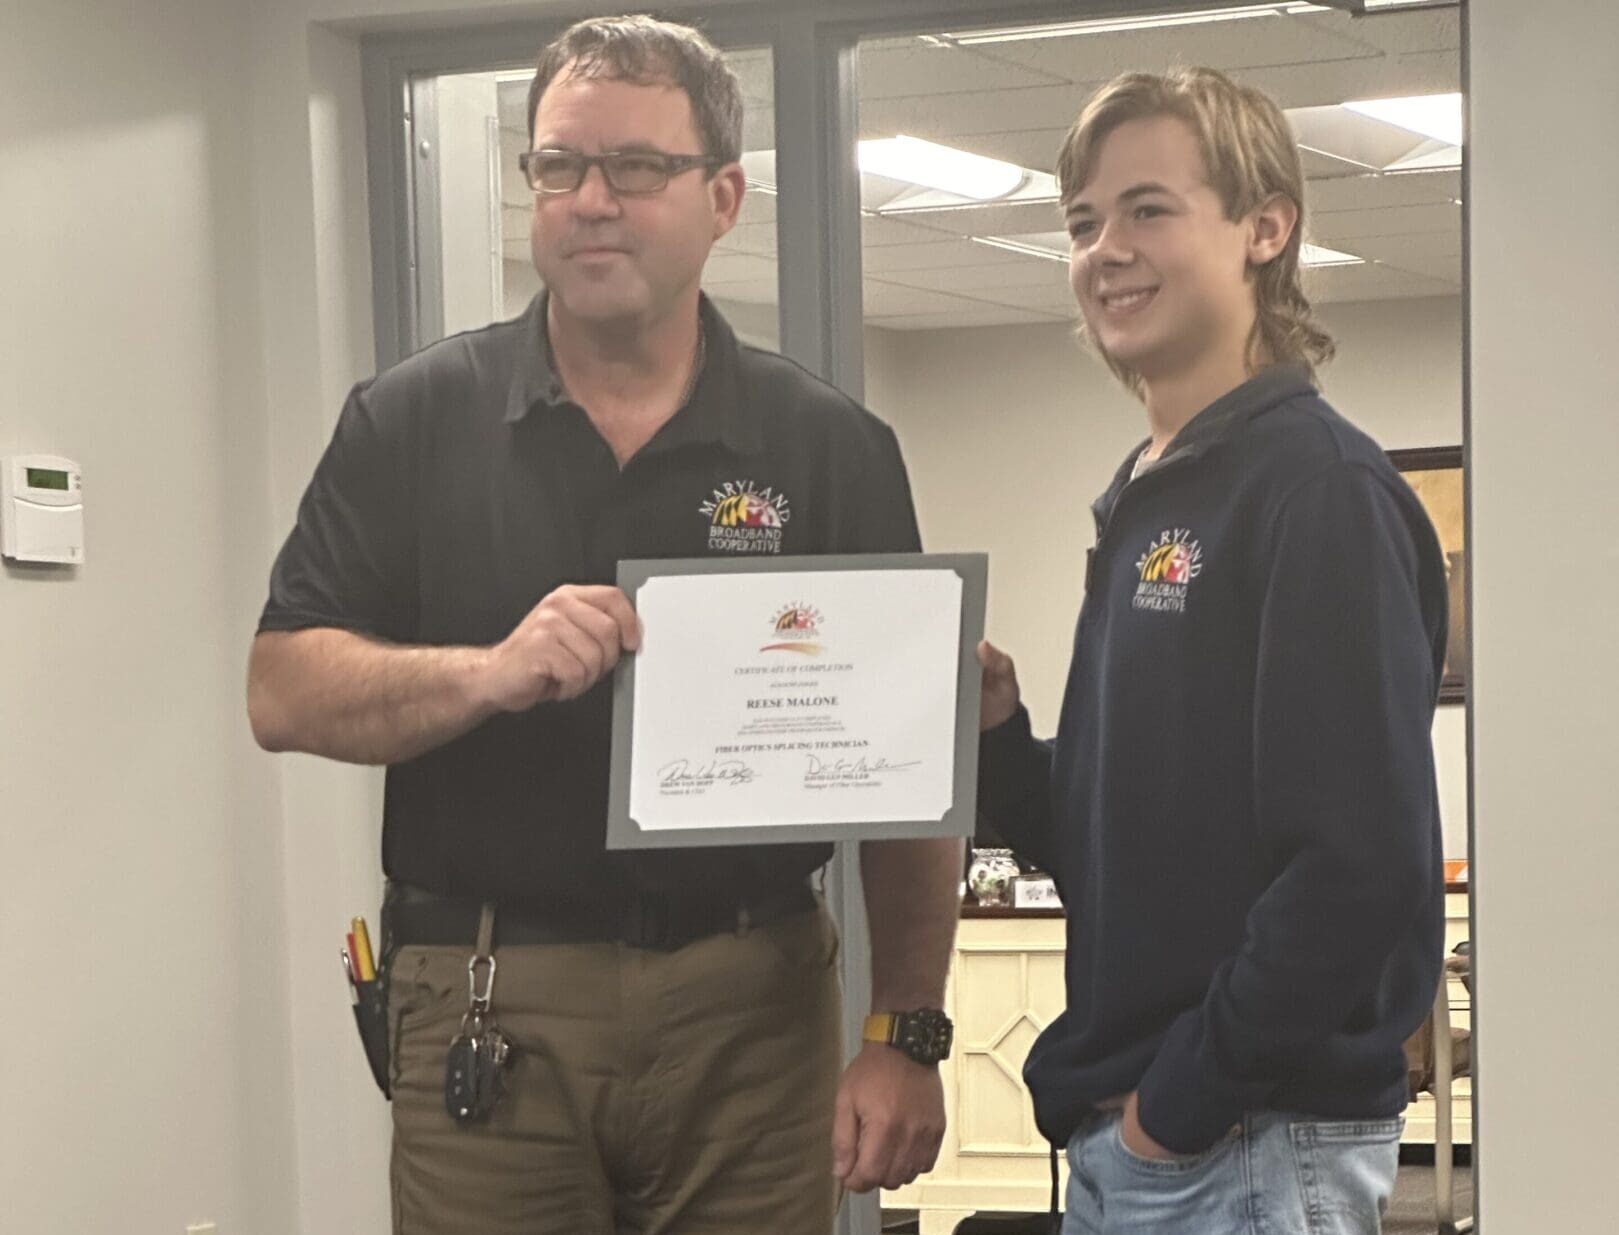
point(41, 510)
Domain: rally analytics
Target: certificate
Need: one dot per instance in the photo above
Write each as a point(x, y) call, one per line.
point(796, 699)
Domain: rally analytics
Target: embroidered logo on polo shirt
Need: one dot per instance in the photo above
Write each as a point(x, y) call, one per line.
point(744, 517)
point(799, 626)
point(1167, 569)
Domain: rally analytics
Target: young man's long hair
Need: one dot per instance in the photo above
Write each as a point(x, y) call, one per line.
point(1249, 156)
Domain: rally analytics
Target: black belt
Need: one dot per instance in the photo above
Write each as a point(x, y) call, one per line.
point(413, 915)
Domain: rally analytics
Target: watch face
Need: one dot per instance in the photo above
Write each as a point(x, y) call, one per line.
point(925, 1036)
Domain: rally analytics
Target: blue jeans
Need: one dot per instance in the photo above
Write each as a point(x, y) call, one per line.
point(1277, 1174)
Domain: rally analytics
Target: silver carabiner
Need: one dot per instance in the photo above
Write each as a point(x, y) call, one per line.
point(480, 1003)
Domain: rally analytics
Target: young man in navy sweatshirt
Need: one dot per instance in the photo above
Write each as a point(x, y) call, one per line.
point(1239, 806)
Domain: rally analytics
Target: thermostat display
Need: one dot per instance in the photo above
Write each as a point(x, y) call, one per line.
point(41, 510)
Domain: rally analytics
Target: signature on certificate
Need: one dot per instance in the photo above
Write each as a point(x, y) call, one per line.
point(864, 768)
point(690, 774)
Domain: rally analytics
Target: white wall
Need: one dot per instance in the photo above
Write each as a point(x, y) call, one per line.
point(144, 1035)
point(1545, 593)
point(313, 255)
point(1010, 433)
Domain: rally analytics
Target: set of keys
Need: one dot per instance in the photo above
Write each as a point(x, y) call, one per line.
point(474, 1068)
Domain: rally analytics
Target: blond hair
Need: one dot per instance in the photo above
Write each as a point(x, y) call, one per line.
point(1249, 156)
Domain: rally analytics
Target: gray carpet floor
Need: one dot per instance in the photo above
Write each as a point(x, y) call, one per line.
point(1412, 1208)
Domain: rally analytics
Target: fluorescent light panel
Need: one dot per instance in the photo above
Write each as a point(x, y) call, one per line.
point(1117, 25)
point(1438, 116)
point(940, 167)
point(1316, 255)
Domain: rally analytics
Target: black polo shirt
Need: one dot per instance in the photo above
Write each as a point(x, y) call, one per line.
point(462, 486)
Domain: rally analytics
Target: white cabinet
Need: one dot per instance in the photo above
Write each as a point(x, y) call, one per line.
point(1006, 985)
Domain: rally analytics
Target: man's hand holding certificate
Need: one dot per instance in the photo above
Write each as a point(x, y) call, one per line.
point(797, 699)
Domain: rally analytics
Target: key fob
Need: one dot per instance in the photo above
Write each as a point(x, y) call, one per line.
point(463, 1066)
point(493, 1052)
point(473, 1073)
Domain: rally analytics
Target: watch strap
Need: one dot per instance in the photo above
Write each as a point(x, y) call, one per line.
point(879, 1027)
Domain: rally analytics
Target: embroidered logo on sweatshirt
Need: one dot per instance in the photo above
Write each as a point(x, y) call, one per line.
point(1167, 569)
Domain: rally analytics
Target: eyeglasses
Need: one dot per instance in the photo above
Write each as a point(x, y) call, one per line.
point(631, 172)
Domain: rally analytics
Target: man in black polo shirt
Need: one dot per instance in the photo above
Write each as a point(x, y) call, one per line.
point(445, 606)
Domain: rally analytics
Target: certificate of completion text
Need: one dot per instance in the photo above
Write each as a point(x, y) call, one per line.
point(794, 698)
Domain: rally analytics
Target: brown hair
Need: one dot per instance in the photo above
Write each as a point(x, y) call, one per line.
point(1249, 156)
point(645, 51)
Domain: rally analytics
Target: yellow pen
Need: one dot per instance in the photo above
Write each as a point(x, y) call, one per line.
point(364, 963)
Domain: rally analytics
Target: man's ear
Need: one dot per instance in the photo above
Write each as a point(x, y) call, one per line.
point(725, 190)
point(1270, 226)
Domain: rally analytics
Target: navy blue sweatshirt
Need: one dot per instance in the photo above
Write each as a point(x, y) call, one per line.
point(1239, 807)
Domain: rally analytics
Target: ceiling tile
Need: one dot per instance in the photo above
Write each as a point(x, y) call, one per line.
point(887, 299)
point(945, 254)
point(990, 219)
point(1035, 149)
point(876, 233)
point(749, 291)
point(1023, 272)
point(1322, 83)
point(1369, 282)
point(758, 238)
point(1398, 249)
point(757, 207)
point(1224, 45)
point(895, 68)
point(1397, 33)
point(1330, 225)
point(947, 118)
point(737, 268)
point(1368, 192)
point(1447, 268)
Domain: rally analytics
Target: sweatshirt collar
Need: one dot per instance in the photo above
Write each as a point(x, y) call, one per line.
point(1272, 385)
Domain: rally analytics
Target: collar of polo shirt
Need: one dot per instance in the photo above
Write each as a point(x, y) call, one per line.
point(714, 411)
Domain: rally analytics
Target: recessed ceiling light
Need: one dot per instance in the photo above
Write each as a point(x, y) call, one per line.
point(1118, 25)
point(940, 167)
point(1438, 116)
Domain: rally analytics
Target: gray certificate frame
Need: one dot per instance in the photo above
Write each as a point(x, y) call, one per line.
point(973, 570)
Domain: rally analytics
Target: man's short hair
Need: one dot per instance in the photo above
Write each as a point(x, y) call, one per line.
point(1249, 156)
point(646, 52)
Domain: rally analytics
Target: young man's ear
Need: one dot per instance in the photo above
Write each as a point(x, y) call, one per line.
point(1270, 226)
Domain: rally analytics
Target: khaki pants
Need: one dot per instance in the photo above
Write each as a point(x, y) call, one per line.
point(651, 1093)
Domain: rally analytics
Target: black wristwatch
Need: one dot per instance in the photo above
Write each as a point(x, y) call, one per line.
point(924, 1035)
